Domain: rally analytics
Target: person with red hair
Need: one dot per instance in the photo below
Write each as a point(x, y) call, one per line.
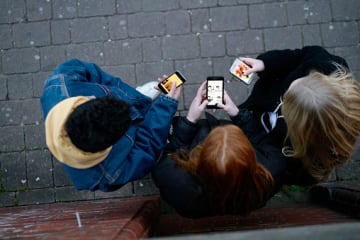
point(210, 167)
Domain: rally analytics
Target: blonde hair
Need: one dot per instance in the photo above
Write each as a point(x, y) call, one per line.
point(226, 164)
point(322, 114)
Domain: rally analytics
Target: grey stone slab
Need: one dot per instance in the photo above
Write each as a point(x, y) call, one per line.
point(229, 18)
point(39, 169)
point(118, 27)
point(96, 7)
point(8, 199)
point(146, 24)
point(60, 31)
point(146, 72)
point(197, 4)
point(160, 5)
point(20, 112)
point(177, 22)
point(51, 56)
point(311, 35)
point(21, 60)
point(34, 136)
point(318, 11)
point(244, 42)
point(345, 10)
point(212, 44)
point(11, 139)
point(89, 30)
point(145, 187)
point(126, 6)
point(61, 179)
point(352, 56)
point(64, 9)
point(13, 171)
point(66, 194)
point(195, 70)
point(36, 196)
point(19, 86)
point(200, 20)
point(91, 52)
point(267, 15)
point(38, 83)
point(340, 34)
point(31, 34)
point(38, 10)
point(282, 38)
point(5, 37)
point(3, 88)
point(12, 11)
point(151, 49)
point(297, 12)
point(180, 47)
point(122, 52)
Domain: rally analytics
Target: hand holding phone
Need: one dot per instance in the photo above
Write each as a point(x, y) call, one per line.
point(165, 85)
point(238, 69)
point(214, 91)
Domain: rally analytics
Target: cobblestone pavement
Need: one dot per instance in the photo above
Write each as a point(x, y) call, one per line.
point(139, 41)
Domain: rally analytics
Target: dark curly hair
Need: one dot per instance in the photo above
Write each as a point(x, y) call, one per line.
point(97, 124)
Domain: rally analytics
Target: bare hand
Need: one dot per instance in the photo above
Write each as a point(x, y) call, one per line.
point(198, 104)
point(255, 64)
point(229, 107)
point(175, 92)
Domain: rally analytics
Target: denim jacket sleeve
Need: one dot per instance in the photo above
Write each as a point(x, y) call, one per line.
point(150, 138)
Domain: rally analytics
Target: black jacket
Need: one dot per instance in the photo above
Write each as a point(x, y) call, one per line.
point(282, 67)
point(184, 192)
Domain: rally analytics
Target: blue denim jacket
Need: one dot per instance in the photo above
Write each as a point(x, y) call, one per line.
point(134, 154)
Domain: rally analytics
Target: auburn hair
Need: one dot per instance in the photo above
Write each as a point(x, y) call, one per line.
point(226, 165)
point(322, 113)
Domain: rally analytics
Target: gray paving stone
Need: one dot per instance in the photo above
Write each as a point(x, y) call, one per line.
point(91, 52)
point(297, 12)
point(160, 5)
point(61, 179)
point(151, 49)
point(31, 34)
point(64, 9)
point(89, 30)
point(345, 10)
point(5, 37)
point(68, 194)
point(20, 112)
point(96, 7)
point(339, 34)
point(126, 6)
point(7, 199)
point(122, 52)
point(267, 15)
point(125, 191)
point(177, 22)
point(146, 72)
point(318, 11)
point(195, 70)
point(51, 56)
point(12, 11)
point(145, 187)
point(20, 60)
point(38, 10)
point(311, 35)
point(282, 38)
point(197, 4)
point(118, 27)
point(60, 31)
point(19, 86)
point(146, 24)
point(34, 136)
point(229, 18)
point(38, 83)
point(11, 139)
point(200, 20)
point(180, 47)
point(212, 44)
point(244, 42)
point(35, 196)
point(13, 171)
point(3, 88)
point(39, 169)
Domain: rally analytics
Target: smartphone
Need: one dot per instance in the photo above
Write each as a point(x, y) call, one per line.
point(238, 68)
point(214, 91)
point(165, 85)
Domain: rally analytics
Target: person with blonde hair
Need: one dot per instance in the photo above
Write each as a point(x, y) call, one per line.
point(210, 167)
point(310, 101)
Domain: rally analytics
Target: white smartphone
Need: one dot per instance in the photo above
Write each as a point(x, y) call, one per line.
point(214, 91)
point(238, 68)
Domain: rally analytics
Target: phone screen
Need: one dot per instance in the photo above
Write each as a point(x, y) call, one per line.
point(214, 91)
point(166, 84)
